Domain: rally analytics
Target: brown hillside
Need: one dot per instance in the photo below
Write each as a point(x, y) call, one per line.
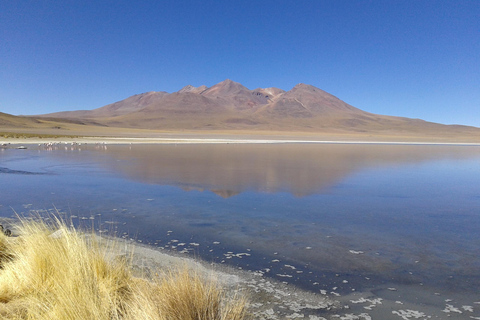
point(129, 105)
point(231, 106)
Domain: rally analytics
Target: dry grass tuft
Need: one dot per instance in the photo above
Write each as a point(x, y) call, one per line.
point(67, 275)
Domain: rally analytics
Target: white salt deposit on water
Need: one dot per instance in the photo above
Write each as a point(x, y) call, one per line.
point(284, 275)
point(409, 314)
point(351, 316)
point(355, 252)
point(450, 308)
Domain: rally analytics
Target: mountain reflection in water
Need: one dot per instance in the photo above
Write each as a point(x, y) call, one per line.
point(300, 169)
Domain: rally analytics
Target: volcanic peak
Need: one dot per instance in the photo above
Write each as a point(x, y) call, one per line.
point(192, 89)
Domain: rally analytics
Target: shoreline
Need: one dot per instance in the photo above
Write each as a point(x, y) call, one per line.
point(5, 142)
point(271, 299)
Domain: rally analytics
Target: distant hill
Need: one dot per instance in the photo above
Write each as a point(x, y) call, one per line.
point(45, 125)
point(131, 104)
point(229, 105)
point(8, 120)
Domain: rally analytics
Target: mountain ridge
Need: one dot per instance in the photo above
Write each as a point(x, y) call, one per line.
point(228, 105)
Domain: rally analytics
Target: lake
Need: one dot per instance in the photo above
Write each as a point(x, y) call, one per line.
point(399, 221)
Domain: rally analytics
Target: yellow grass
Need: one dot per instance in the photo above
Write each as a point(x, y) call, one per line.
point(67, 275)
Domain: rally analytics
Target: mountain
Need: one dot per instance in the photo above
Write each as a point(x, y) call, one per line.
point(228, 99)
point(235, 96)
point(306, 101)
point(229, 105)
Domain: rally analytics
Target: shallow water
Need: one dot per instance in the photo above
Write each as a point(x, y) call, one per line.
point(334, 217)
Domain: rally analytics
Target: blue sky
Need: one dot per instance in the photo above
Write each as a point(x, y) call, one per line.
point(412, 58)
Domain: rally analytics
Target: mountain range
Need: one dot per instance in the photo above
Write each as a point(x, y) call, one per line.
point(229, 105)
